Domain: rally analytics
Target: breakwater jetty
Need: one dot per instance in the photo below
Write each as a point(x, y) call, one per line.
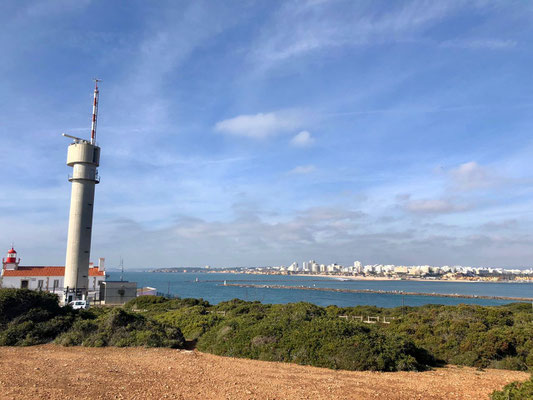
point(392, 292)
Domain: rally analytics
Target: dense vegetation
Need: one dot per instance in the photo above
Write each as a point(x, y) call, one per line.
point(116, 327)
point(415, 339)
point(483, 337)
point(303, 333)
point(29, 318)
point(495, 337)
point(515, 391)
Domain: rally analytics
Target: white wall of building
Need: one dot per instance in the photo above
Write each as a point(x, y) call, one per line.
point(47, 283)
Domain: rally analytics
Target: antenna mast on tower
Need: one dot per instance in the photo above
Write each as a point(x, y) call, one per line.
point(95, 111)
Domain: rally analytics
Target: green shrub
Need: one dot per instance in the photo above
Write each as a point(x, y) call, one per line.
point(143, 302)
point(513, 363)
point(16, 302)
point(121, 328)
point(155, 305)
point(497, 336)
point(29, 317)
point(515, 391)
point(302, 333)
point(193, 321)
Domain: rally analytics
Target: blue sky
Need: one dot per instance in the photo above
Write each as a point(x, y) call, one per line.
point(264, 132)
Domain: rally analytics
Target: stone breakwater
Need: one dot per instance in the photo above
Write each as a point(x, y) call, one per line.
point(393, 292)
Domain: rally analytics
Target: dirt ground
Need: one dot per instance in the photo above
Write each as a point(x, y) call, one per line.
point(54, 372)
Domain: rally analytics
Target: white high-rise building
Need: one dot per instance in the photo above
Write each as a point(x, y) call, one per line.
point(358, 267)
point(314, 267)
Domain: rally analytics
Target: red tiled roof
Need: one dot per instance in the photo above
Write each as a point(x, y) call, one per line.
point(94, 272)
point(46, 271)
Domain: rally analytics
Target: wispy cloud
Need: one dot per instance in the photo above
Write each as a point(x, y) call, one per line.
point(47, 7)
point(167, 41)
point(434, 206)
point(471, 175)
point(298, 30)
point(490, 44)
point(459, 189)
point(302, 169)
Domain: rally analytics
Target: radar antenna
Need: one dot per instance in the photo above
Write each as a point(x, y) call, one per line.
point(95, 111)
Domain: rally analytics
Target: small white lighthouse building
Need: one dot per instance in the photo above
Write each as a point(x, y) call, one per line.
point(46, 278)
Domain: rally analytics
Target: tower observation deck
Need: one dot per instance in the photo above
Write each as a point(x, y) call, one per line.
point(84, 157)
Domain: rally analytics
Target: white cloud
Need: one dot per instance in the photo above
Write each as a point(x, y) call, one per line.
point(302, 139)
point(261, 125)
point(327, 234)
point(471, 175)
point(302, 169)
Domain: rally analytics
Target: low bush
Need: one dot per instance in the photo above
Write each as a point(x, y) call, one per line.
point(193, 321)
point(17, 302)
point(28, 317)
point(143, 302)
point(121, 328)
point(515, 391)
point(31, 317)
point(495, 337)
point(302, 333)
point(472, 335)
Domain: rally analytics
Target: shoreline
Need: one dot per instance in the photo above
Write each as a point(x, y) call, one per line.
point(343, 277)
point(383, 278)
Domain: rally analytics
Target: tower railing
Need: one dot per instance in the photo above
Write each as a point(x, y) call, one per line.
point(96, 178)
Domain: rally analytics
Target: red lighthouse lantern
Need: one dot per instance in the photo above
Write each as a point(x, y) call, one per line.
point(11, 262)
point(11, 256)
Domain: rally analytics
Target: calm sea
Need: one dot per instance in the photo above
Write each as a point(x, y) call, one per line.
point(210, 288)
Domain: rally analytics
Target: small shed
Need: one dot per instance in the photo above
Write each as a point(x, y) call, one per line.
point(117, 292)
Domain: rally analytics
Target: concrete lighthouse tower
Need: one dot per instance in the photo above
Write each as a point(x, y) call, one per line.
point(84, 156)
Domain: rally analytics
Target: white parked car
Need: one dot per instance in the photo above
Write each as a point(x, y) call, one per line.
point(79, 304)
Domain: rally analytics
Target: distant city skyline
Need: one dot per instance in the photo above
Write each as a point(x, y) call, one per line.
point(255, 133)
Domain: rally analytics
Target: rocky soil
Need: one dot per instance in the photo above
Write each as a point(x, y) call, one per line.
point(54, 372)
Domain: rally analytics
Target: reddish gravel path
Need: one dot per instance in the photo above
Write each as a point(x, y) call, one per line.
point(54, 372)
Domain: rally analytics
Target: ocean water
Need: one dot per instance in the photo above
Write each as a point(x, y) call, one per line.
point(210, 287)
